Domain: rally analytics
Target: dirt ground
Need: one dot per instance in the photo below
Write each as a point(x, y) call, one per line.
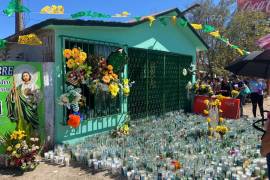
point(52, 172)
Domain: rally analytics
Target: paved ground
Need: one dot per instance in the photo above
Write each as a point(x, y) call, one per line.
point(74, 172)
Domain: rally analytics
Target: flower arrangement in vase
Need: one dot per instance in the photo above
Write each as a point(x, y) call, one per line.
point(199, 88)
point(214, 114)
point(22, 150)
point(104, 79)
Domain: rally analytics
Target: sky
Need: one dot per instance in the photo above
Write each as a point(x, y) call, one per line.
point(135, 7)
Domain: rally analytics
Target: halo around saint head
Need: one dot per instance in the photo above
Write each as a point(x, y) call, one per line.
point(25, 68)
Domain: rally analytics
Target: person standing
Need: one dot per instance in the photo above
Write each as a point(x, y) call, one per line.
point(225, 87)
point(256, 96)
point(239, 86)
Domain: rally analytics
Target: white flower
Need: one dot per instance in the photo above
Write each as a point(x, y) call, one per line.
point(184, 72)
point(37, 147)
point(32, 139)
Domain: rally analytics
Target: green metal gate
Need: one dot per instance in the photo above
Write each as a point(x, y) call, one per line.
point(159, 83)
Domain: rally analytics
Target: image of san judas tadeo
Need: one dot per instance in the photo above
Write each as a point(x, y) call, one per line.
point(23, 99)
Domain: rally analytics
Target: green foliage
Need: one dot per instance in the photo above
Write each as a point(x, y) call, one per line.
point(242, 29)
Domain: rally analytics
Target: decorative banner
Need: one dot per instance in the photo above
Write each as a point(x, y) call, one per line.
point(197, 26)
point(89, 14)
point(30, 39)
point(151, 20)
point(13, 7)
point(182, 23)
point(174, 19)
point(137, 18)
point(162, 20)
point(52, 10)
point(254, 5)
point(123, 14)
point(208, 28)
point(21, 102)
point(215, 34)
point(3, 43)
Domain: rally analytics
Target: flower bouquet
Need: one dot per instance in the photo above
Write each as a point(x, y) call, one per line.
point(78, 70)
point(234, 93)
point(106, 80)
point(22, 151)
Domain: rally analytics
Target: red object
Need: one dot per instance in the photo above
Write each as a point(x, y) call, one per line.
point(74, 121)
point(254, 5)
point(230, 107)
point(199, 105)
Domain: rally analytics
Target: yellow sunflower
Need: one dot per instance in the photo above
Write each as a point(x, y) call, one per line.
point(83, 56)
point(125, 81)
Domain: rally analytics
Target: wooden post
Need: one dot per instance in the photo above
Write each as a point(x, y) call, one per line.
point(19, 19)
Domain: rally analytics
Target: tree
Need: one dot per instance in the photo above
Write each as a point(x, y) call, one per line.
point(215, 14)
point(243, 30)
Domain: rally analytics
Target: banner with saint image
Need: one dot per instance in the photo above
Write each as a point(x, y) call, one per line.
point(21, 97)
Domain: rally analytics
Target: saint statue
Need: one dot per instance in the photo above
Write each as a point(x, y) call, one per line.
point(22, 104)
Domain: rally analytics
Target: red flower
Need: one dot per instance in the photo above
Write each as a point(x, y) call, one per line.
point(74, 121)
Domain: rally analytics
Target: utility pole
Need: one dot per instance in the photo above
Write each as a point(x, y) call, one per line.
point(19, 19)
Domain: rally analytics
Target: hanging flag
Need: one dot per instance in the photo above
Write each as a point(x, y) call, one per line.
point(3, 43)
point(137, 18)
point(240, 51)
point(197, 26)
point(13, 7)
point(174, 19)
point(89, 14)
point(208, 28)
point(182, 23)
point(162, 20)
point(30, 39)
point(52, 10)
point(215, 34)
point(151, 20)
point(121, 15)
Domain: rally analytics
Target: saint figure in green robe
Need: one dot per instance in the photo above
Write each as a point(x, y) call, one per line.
point(21, 105)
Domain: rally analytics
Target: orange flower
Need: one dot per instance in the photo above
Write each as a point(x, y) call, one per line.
point(106, 79)
point(176, 164)
point(111, 76)
point(70, 63)
point(76, 53)
point(77, 61)
point(74, 121)
point(110, 72)
point(110, 67)
point(115, 76)
point(67, 53)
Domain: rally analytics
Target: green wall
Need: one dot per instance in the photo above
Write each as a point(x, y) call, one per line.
point(168, 38)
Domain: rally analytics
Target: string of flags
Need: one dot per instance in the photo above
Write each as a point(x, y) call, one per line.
point(32, 39)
